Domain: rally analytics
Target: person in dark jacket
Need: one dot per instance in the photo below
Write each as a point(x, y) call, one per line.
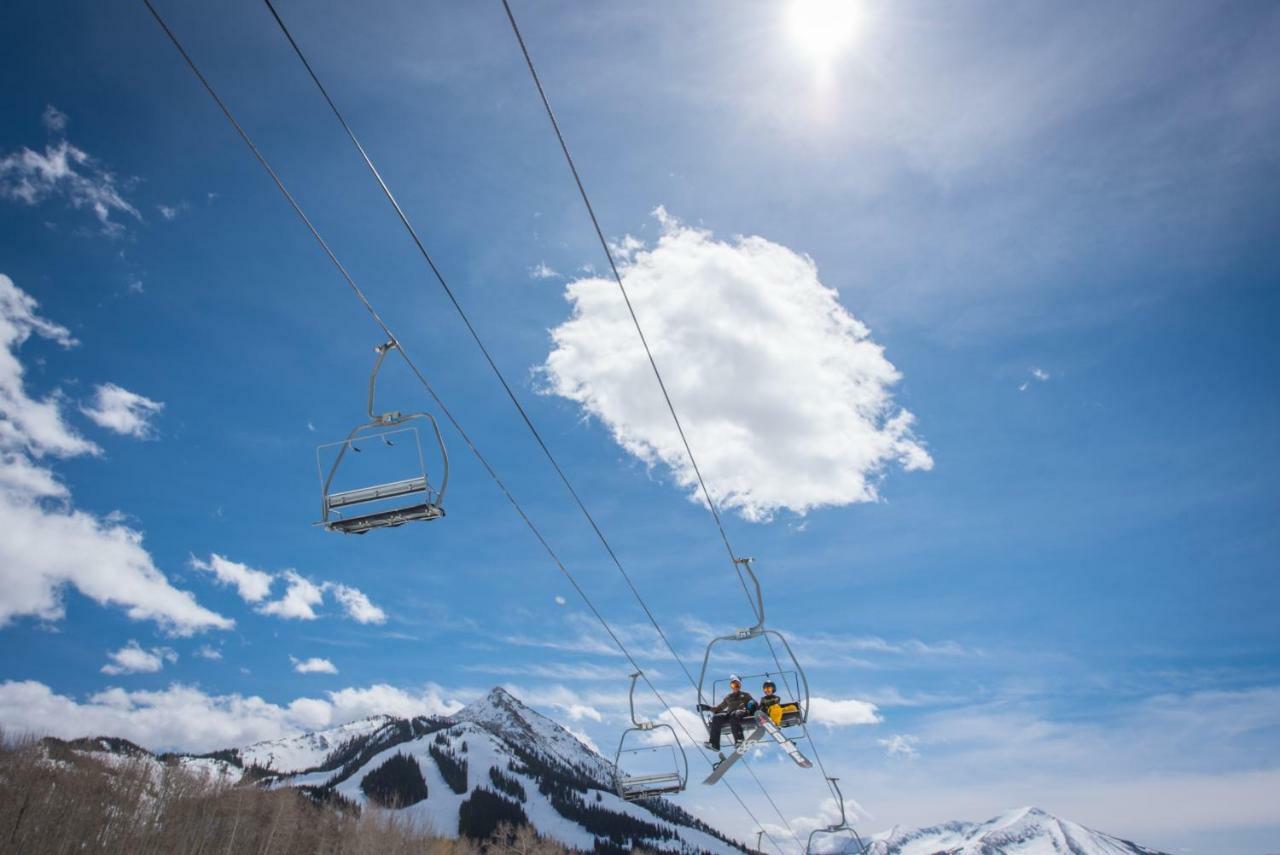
point(731, 710)
point(769, 700)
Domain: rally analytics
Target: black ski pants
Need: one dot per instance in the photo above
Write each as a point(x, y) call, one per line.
point(734, 720)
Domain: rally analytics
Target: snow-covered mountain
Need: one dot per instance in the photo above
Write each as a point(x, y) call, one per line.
point(1025, 831)
point(495, 760)
point(498, 760)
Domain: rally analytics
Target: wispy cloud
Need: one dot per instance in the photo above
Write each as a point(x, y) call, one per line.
point(127, 413)
point(542, 271)
point(900, 745)
point(54, 120)
point(64, 171)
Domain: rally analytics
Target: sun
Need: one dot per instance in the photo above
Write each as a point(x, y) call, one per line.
point(822, 28)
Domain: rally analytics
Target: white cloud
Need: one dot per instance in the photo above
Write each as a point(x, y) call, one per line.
point(900, 745)
point(127, 413)
point(560, 601)
point(784, 396)
point(53, 119)
point(314, 665)
point(185, 718)
point(26, 424)
point(209, 652)
point(581, 736)
point(49, 544)
point(299, 600)
point(171, 212)
point(542, 271)
point(357, 605)
point(65, 171)
point(132, 659)
point(842, 713)
point(577, 712)
point(252, 585)
point(1037, 374)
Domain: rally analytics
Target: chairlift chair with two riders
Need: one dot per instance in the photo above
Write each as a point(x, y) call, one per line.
point(385, 503)
point(833, 834)
point(795, 710)
point(671, 778)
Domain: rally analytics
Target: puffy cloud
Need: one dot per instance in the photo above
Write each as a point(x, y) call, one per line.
point(128, 413)
point(841, 713)
point(66, 171)
point(299, 600)
point(132, 659)
point(783, 394)
point(314, 665)
point(252, 585)
point(49, 544)
point(357, 605)
point(187, 719)
point(542, 271)
point(48, 548)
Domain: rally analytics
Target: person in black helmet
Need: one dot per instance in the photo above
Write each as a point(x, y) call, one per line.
point(735, 706)
point(769, 700)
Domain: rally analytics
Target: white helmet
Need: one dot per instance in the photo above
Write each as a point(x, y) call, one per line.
point(734, 678)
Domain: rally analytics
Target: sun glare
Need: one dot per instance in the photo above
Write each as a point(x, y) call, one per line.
point(822, 28)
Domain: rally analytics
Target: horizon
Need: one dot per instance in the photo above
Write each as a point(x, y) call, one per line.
point(966, 313)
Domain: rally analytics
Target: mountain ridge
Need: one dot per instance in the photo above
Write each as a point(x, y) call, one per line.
point(497, 759)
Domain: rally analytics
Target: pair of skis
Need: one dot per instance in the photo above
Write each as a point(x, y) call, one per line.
point(764, 725)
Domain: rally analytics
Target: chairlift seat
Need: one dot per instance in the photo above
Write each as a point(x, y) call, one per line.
point(390, 518)
point(645, 786)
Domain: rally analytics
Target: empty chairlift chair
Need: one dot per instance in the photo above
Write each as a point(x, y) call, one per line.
point(387, 503)
point(839, 838)
point(669, 778)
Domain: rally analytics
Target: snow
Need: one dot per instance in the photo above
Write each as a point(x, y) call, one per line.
point(1023, 831)
point(298, 753)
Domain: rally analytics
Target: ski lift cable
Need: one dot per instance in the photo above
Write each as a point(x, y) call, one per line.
point(466, 320)
point(297, 208)
point(604, 243)
point(404, 219)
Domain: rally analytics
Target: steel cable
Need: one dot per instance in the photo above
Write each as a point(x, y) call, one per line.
point(386, 329)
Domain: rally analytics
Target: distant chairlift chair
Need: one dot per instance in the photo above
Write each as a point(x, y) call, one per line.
point(853, 844)
point(643, 786)
point(360, 510)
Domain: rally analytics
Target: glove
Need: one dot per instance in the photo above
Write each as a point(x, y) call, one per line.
point(704, 708)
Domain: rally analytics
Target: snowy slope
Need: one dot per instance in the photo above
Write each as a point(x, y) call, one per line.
point(497, 732)
point(297, 753)
point(1025, 831)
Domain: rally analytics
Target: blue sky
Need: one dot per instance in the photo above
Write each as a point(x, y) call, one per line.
point(1058, 225)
